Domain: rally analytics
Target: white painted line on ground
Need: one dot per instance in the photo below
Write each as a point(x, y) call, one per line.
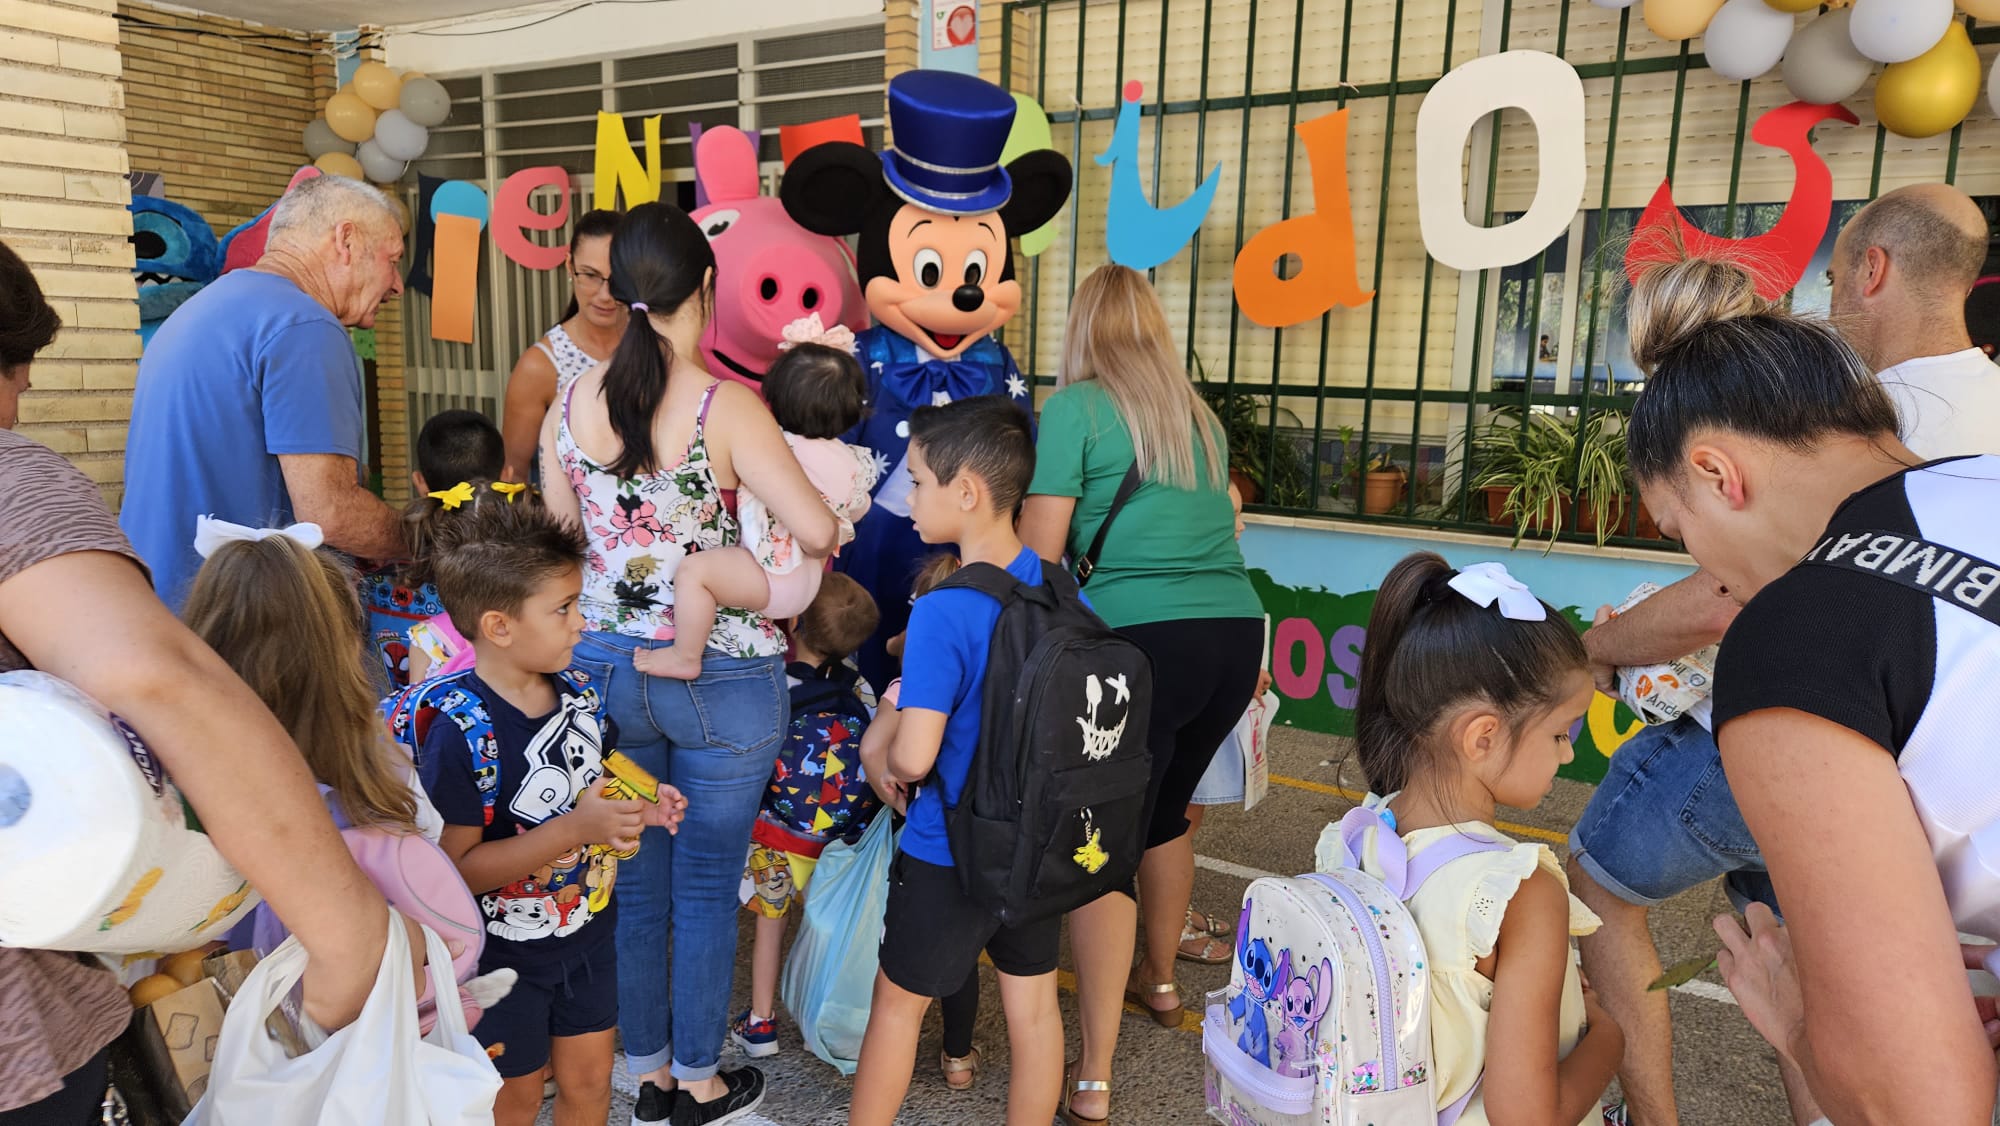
point(1707, 991)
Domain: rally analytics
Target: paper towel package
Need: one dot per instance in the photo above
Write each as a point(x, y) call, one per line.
point(1664, 693)
point(98, 852)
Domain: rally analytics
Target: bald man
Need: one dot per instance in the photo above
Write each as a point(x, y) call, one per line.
point(1902, 268)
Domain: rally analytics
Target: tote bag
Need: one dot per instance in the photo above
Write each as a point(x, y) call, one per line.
point(376, 1071)
point(830, 974)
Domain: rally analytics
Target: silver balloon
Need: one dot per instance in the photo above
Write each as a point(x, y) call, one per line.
point(320, 139)
point(1744, 40)
point(399, 137)
point(425, 102)
point(1614, 5)
point(1822, 65)
point(380, 166)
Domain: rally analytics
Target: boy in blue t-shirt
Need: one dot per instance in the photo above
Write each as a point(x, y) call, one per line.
point(525, 815)
point(970, 464)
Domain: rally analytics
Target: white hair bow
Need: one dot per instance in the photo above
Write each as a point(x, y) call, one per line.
point(210, 534)
point(1487, 583)
point(810, 330)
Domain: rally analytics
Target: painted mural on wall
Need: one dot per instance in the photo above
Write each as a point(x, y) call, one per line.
point(1317, 635)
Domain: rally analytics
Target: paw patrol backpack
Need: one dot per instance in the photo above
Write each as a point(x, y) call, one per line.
point(1326, 1019)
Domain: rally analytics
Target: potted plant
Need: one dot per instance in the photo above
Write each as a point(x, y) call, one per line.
point(1265, 466)
point(1382, 484)
point(1521, 466)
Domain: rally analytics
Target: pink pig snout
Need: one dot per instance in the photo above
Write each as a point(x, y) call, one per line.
point(781, 283)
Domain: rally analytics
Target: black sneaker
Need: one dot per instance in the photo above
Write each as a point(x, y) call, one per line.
point(746, 1090)
point(654, 1107)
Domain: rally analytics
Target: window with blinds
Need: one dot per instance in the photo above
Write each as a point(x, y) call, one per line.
point(505, 121)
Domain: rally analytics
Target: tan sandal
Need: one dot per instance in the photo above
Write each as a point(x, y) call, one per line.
point(1210, 924)
point(1203, 948)
point(1078, 1087)
point(955, 1066)
point(1137, 994)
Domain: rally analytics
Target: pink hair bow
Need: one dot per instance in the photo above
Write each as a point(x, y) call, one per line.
point(809, 330)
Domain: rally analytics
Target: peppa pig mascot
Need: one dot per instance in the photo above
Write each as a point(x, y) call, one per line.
point(769, 271)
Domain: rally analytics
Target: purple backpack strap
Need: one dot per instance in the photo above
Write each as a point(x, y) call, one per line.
point(1451, 1114)
point(1402, 875)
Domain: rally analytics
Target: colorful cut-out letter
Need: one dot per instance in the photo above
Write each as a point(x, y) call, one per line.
point(456, 279)
point(1778, 257)
point(617, 167)
point(1322, 239)
point(1548, 90)
point(514, 216)
point(1136, 233)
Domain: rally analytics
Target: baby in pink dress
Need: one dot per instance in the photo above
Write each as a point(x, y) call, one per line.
point(816, 391)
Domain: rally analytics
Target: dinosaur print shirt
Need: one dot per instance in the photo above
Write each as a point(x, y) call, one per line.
point(534, 768)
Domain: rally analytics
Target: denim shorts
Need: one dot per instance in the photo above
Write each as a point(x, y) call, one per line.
point(1663, 821)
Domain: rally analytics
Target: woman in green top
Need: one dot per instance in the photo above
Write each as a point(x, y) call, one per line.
point(1170, 578)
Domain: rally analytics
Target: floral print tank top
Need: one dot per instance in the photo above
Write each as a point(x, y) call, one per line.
point(640, 529)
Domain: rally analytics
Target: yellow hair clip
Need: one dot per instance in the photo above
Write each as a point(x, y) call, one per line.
point(508, 490)
point(453, 497)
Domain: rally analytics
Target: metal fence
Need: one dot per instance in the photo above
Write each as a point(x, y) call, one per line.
point(1439, 372)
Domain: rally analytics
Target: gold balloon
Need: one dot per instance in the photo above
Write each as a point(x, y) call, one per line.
point(1985, 11)
point(350, 118)
point(340, 164)
point(378, 85)
point(1794, 5)
point(402, 209)
point(1934, 91)
point(409, 74)
point(1675, 20)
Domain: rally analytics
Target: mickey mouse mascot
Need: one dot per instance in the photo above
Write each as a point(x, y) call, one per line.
point(934, 213)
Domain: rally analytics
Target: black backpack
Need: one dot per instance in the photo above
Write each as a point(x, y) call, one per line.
point(1052, 814)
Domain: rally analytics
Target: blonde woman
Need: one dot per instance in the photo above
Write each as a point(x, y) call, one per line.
point(1169, 577)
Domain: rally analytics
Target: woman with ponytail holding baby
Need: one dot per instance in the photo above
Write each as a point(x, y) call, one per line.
point(647, 453)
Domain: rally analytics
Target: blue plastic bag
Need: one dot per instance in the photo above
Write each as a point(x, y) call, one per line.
point(829, 976)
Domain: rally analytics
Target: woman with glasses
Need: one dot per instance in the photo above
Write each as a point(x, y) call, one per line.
point(586, 337)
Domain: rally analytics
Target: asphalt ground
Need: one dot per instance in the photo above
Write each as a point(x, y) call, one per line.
point(1725, 1074)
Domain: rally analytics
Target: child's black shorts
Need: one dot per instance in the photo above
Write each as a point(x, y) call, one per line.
point(932, 934)
point(564, 996)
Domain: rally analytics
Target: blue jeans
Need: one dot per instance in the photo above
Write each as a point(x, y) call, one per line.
point(1663, 821)
point(716, 739)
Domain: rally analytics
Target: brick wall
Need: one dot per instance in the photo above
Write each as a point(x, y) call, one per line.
point(62, 208)
point(217, 114)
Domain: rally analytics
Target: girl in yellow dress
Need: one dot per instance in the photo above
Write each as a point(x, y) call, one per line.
point(1470, 686)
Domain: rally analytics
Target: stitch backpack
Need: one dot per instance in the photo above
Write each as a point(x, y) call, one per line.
point(817, 792)
point(1326, 1018)
point(1051, 816)
point(411, 712)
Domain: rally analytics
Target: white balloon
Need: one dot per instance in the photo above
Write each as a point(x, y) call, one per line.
point(1821, 65)
point(1896, 31)
point(1993, 86)
point(399, 137)
point(1744, 40)
point(380, 166)
point(1614, 5)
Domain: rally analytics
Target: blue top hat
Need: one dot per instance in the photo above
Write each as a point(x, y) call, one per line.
point(949, 130)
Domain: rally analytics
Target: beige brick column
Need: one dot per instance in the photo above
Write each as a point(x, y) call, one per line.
point(63, 199)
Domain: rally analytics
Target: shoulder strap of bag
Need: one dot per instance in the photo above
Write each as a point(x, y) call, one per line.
point(986, 579)
point(1946, 574)
point(1087, 566)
